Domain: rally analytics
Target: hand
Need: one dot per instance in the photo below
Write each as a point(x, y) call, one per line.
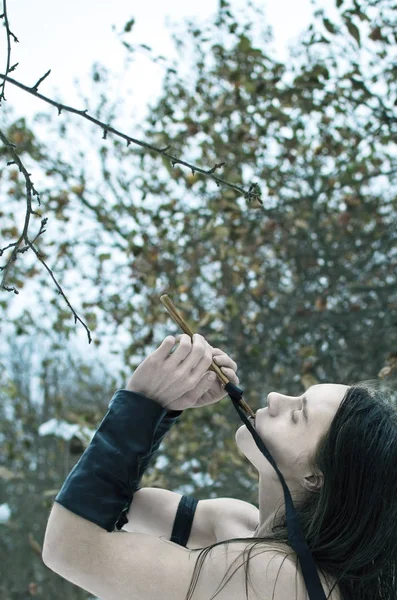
point(179, 380)
point(209, 390)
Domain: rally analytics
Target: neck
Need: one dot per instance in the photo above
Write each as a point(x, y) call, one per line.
point(271, 502)
point(270, 495)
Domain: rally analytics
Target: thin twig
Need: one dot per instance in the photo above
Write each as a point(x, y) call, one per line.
point(252, 193)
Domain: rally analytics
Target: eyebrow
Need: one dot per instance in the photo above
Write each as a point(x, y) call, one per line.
point(304, 409)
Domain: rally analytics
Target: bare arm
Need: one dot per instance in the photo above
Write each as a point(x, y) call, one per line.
point(153, 511)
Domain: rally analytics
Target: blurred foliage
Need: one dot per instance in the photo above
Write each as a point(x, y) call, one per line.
point(298, 290)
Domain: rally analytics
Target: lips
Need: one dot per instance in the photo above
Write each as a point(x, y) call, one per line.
point(258, 414)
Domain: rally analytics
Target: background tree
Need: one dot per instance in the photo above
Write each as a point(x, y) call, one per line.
point(298, 289)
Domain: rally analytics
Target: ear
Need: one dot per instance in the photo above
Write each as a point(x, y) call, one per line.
point(313, 483)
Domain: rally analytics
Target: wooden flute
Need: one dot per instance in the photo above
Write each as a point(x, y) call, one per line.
point(179, 320)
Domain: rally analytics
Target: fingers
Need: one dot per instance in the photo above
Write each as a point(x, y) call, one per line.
point(180, 336)
point(204, 350)
point(217, 355)
point(198, 341)
point(231, 375)
point(166, 345)
point(193, 352)
point(223, 360)
point(184, 346)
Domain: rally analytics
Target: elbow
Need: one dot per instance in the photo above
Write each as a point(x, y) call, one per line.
point(46, 555)
point(53, 551)
point(51, 561)
point(52, 547)
point(44, 552)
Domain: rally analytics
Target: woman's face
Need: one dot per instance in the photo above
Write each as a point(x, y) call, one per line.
point(289, 436)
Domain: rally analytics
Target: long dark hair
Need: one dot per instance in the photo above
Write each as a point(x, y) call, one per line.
point(350, 524)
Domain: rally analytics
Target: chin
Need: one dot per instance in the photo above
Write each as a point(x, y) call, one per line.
point(244, 441)
point(241, 432)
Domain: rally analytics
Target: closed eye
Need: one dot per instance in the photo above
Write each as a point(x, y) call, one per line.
point(294, 419)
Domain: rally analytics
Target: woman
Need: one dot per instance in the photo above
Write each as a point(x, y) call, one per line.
point(340, 466)
point(336, 447)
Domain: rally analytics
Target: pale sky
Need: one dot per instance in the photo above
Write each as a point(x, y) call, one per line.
point(69, 37)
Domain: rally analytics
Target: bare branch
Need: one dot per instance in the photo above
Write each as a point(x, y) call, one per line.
point(250, 195)
point(24, 235)
point(9, 34)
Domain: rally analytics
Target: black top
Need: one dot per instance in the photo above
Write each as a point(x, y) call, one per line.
point(184, 520)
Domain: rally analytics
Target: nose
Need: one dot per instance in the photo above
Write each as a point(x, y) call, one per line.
point(270, 396)
point(272, 401)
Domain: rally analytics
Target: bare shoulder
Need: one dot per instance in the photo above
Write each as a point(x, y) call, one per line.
point(233, 518)
point(268, 574)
